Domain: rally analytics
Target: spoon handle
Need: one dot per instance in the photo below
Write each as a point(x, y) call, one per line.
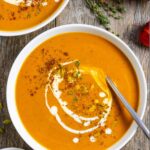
point(128, 107)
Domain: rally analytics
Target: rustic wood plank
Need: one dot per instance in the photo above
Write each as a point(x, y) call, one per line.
point(76, 12)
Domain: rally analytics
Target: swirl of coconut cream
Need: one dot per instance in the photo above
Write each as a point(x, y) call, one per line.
point(54, 87)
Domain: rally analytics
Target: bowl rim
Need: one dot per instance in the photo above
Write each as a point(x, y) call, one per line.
point(49, 19)
point(10, 94)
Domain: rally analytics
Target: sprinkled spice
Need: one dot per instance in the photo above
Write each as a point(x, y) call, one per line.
point(65, 53)
point(50, 63)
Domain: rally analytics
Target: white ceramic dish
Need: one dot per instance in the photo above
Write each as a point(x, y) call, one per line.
point(38, 26)
point(73, 28)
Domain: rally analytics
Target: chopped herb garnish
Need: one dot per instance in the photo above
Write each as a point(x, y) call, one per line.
point(92, 108)
point(84, 89)
point(70, 92)
point(77, 63)
point(60, 66)
point(62, 72)
point(75, 99)
point(71, 79)
point(77, 74)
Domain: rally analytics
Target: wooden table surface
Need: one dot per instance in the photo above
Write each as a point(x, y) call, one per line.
point(138, 13)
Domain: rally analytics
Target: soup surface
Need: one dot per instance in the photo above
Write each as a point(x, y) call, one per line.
point(62, 96)
point(18, 15)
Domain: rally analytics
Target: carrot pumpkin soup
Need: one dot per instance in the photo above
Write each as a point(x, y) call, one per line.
point(23, 14)
point(62, 96)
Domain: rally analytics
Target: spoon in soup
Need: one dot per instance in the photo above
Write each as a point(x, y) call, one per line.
point(128, 107)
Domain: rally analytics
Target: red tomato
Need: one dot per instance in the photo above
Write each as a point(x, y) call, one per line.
point(145, 35)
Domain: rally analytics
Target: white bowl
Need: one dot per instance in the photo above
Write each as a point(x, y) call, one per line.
point(63, 29)
point(38, 26)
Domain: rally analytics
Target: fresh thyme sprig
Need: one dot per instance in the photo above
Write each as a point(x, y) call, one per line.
point(96, 9)
point(104, 9)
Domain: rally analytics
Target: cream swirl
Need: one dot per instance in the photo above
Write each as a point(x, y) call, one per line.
point(54, 88)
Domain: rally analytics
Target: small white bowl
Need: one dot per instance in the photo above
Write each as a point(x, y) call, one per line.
point(38, 26)
point(11, 102)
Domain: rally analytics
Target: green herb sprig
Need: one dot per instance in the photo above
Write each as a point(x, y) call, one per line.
point(96, 9)
point(103, 9)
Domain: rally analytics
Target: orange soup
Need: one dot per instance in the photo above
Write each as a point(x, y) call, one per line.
point(26, 14)
point(62, 96)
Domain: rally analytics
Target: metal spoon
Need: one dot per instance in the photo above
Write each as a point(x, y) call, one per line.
point(128, 107)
